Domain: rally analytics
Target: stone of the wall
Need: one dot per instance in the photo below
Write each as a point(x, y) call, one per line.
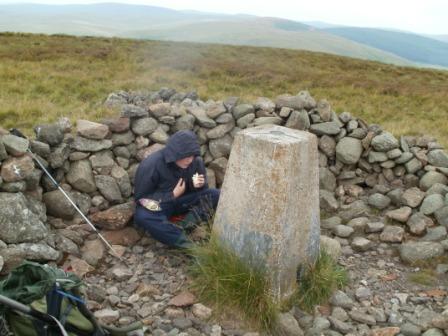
point(17, 222)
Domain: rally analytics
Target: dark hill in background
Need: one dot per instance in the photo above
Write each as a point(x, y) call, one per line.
point(413, 47)
point(443, 38)
point(148, 22)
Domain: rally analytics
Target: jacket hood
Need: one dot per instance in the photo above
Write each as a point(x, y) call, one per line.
point(180, 145)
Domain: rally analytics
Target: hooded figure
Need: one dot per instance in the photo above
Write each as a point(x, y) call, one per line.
point(172, 181)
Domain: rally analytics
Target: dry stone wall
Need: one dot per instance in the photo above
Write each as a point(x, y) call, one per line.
point(362, 167)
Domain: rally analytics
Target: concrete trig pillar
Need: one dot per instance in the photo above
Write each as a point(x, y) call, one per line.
point(269, 205)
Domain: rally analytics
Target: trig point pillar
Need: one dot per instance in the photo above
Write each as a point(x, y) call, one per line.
point(269, 205)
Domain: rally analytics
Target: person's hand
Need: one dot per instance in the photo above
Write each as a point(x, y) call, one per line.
point(179, 189)
point(198, 180)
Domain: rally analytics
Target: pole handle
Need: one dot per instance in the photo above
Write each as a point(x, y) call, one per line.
point(16, 132)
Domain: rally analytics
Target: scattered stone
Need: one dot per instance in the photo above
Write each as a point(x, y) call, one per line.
point(413, 165)
point(327, 200)
point(183, 299)
point(288, 325)
point(400, 215)
point(379, 201)
point(387, 331)
point(349, 150)
point(114, 218)
point(79, 267)
point(442, 216)
point(361, 244)
point(358, 224)
point(331, 246)
point(107, 316)
point(433, 332)
point(412, 197)
point(418, 223)
point(340, 326)
point(133, 111)
point(200, 311)
point(126, 237)
point(298, 120)
point(88, 145)
point(384, 142)
point(93, 251)
point(52, 134)
point(353, 210)
point(343, 231)
point(431, 178)
point(340, 299)
point(373, 227)
point(328, 128)
point(362, 293)
point(438, 233)
point(18, 222)
point(108, 187)
point(392, 234)
point(362, 318)
point(438, 158)
point(92, 130)
point(409, 329)
point(121, 273)
point(182, 323)
point(432, 203)
point(413, 252)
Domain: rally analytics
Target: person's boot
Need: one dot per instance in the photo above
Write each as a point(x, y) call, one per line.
point(183, 242)
point(189, 222)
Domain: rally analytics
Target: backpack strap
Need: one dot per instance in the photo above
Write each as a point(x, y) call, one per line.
point(54, 301)
point(40, 327)
point(98, 330)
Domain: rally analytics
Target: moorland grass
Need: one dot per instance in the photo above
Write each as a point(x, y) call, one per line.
point(228, 283)
point(45, 77)
point(225, 281)
point(426, 277)
point(319, 281)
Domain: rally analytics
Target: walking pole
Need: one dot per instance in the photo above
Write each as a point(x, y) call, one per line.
point(16, 132)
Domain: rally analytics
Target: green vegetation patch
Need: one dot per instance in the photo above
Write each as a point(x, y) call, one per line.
point(221, 278)
point(224, 280)
point(426, 277)
point(319, 281)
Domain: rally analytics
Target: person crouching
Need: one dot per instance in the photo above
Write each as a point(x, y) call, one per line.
point(170, 182)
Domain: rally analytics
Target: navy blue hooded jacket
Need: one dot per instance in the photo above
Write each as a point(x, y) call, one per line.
point(158, 174)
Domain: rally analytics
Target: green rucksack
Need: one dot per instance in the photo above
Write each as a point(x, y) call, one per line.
point(54, 301)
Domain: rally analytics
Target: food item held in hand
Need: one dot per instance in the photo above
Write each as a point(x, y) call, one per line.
point(195, 178)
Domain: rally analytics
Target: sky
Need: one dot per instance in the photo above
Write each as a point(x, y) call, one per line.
point(422, 16)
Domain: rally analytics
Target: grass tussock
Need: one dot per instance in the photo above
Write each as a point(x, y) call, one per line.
point(426, 274)
point(44, 77)
point(224, 280)
point(426, 277)
point(319, 281)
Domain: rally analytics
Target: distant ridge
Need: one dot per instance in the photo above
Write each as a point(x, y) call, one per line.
point(407, 45)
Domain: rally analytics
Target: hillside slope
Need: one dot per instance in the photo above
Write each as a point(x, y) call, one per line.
point(46, 77)
point(269, 32)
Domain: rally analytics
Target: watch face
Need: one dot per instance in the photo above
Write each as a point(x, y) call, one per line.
point(150, 204)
